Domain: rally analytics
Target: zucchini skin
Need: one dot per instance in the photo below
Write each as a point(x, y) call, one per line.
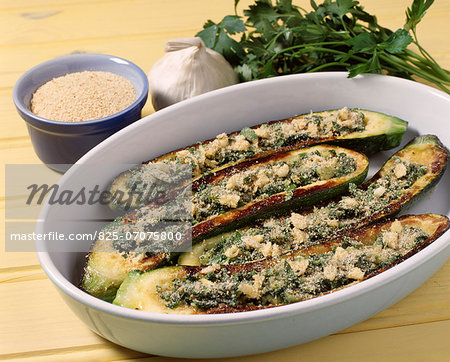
point(426, 150)
point(98, 283)
point(389, 136)
point(106, 269)
point(140, 290)
point(377, 142)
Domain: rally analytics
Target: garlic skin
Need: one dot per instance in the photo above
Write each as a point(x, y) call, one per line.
point(188, 69)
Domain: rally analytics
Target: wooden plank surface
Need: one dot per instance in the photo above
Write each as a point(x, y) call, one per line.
point(36, 325)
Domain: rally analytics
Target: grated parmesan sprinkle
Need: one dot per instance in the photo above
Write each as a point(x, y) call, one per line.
point(82, 96)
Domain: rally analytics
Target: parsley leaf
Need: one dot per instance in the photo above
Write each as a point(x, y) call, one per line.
point(233, 24)
point(249, 134)
point(217, 37)
point(397, 42)
point(341, 7)
point(209, 34)
point(229, 47)
point(260, 12)
point(363, 43)
point(415, 14)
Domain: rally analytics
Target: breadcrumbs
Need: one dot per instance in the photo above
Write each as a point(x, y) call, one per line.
point(83, 96)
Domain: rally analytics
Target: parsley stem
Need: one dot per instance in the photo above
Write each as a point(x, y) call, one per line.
point(282, 32)
point(311, 47)
point(401, 64)
point(425, 54)
point(416, 70)
point(426, 67)
point(320, 67)
point(328, 50)
point(431, 62)
point(344, 26)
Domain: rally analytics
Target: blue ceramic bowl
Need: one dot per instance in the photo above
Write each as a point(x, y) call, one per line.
point(61, 144)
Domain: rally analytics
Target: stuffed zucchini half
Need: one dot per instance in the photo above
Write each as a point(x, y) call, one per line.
point(361, 130)
point(406, 175)
point(293, 277)
point(228, 199)
point(271, 185)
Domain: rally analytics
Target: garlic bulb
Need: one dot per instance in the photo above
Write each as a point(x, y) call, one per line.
point(188, 69)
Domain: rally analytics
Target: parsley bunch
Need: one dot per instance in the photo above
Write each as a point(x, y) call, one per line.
point(282, 38)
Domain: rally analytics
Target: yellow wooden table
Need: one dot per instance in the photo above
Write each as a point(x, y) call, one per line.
point(35, 324)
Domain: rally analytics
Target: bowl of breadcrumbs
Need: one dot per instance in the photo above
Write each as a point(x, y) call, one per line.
point(72, 103)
